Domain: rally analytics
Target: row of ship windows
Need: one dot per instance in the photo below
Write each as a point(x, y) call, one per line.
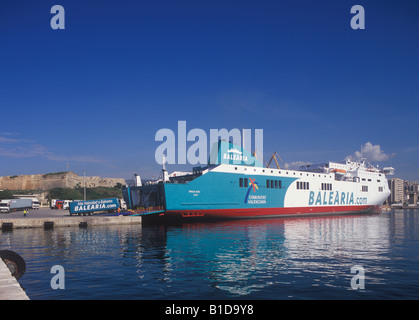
point(365, 189)
point(301, 185)
point(270, 184)
point(274, 184)
point(305, 186)
point(363, 179)
point(286, 172)
point(327, 186)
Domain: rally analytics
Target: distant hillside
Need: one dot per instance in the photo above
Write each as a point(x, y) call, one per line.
point(91, 193)
point(50, 181)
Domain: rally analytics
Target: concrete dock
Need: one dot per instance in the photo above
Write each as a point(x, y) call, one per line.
point(49, 223)
point(10, 289)
point(47, 219)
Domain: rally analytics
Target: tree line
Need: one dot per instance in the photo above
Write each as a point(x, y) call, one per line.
point(76, 193)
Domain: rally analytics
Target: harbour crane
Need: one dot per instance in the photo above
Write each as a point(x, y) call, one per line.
point(276, 161)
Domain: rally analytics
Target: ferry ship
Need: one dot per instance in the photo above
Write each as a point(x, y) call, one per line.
point(236, 185)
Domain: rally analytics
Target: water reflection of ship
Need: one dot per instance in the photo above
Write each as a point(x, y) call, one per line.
point(239, 258)
point(230, 255)
point(242, 257)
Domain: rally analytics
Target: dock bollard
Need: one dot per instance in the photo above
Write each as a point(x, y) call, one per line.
point(83, 224)
point(48, 225)
point(7, 226)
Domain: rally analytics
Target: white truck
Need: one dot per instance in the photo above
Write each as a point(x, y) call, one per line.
point(35, 204)
point(10, 205)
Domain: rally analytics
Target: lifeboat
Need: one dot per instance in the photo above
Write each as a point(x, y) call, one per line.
point(339, 171)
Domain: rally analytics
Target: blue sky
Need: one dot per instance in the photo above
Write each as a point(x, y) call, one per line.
point(95, 94)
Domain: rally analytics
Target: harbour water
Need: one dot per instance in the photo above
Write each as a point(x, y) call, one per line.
point(299, 258)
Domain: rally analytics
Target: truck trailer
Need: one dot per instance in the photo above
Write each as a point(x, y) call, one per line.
point(10, 205)
point(94, 206)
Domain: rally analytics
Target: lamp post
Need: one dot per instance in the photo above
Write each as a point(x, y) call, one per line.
point(84, 185)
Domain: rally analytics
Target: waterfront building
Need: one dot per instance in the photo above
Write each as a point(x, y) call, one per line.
point(411, 190)
point(396, 186)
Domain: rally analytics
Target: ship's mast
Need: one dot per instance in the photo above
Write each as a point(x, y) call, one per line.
point(363, 160)
point(164, 171)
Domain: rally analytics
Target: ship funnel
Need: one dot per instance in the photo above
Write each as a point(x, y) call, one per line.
point(137, 180)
